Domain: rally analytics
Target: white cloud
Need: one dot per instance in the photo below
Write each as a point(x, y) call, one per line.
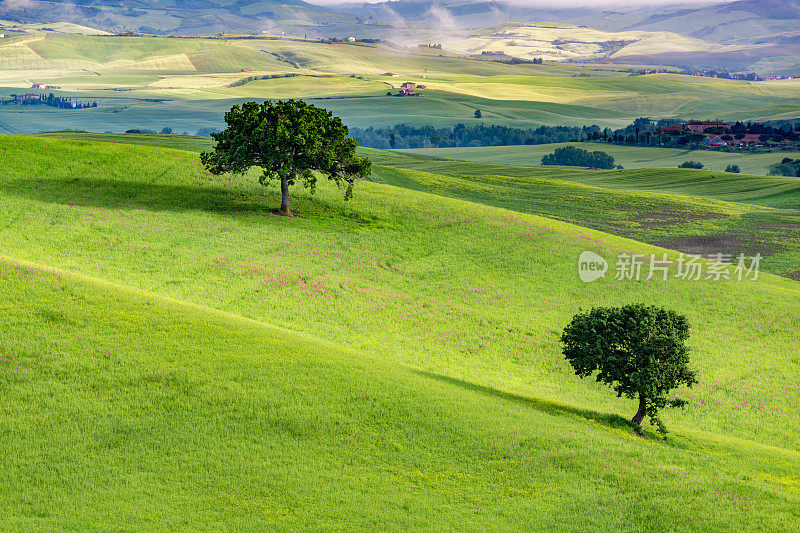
point(18, 4)
point(562, 3)
point(441, 18)
point(390, 15)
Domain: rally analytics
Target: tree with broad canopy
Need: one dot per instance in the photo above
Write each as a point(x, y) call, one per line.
point(289, 140)
point(637, 349)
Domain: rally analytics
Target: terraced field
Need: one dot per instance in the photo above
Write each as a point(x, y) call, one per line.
point(391, 362)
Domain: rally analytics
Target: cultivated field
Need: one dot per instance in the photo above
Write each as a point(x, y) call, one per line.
point(627, 156)
point(185, 84)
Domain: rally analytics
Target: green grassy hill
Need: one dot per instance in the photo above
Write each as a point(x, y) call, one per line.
point(138, 412)
point(701, 212)
point(767, 191)
point(387, 241)
point(698, 212)
point(627, 156)
point(390, 362)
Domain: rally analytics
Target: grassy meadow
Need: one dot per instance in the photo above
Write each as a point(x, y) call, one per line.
point(178, 356)
point(698, 212)
point(627, 156)
point(141, 412)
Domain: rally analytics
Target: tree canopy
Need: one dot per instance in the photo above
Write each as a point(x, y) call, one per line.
point(787, 167)
point(289, 141)
point(578, 157)
point(733, 169)
point(638, 350)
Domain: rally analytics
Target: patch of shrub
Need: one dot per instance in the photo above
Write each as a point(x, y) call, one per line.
point(787, 167)
point(691, 164)
point(733, 169)
point(577, 157)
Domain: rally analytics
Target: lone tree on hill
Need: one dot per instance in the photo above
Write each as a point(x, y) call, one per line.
point(478, 113)
point(289, 140)
point(637, 349)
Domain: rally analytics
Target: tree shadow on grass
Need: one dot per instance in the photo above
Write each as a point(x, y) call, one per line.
point(545, 406)
point(118, 194)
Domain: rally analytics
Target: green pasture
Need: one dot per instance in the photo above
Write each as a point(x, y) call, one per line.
point(768, 191)
point(374, 274)
point(177, 356)
point(627, 156)
point(696, 225)
point(127, 410)
point(695, 211)
point(191, 143)
point(699, 212)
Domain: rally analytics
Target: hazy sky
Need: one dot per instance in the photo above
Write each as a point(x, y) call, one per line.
point(566, 3)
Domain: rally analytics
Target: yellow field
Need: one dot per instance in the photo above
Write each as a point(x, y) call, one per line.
point(560, 42)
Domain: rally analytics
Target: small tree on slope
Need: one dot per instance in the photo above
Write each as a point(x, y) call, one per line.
point(638, 350)
point(289, 140)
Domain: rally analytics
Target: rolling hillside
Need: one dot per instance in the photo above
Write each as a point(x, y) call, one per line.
point(176, 17)
point(393, 393)
point(627, 156)
point(318, 437)
point(372, 258)
point(698, 212)
point(187, 84)
point(750, 21)
point(693, 212)
point(562, 42)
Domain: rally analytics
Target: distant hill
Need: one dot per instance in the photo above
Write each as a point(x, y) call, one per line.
point(745, 21)
point(747, 35)
point(762, 35)
point(185, 17)
point(459, 13)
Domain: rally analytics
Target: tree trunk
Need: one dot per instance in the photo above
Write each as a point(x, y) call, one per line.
point(284, 196)
point(639, 416)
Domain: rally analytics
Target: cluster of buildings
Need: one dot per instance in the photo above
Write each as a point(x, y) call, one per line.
point(717, 133)
point(43, 86)
point(697, 126)
point(748, 139)
point(409, 88)
point(28, 97)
